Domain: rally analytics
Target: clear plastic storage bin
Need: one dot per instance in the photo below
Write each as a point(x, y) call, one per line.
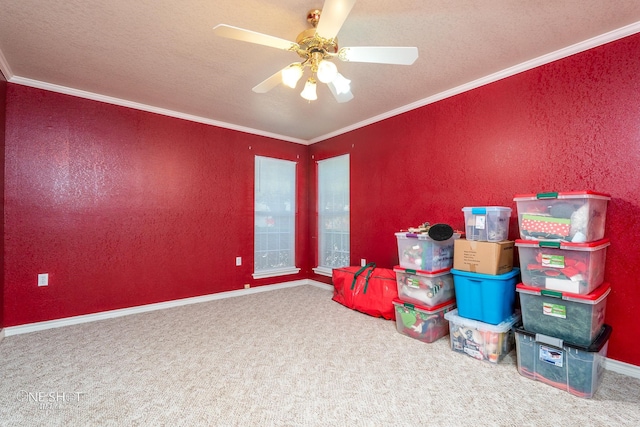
point(577, 216)
point(423, 288)
point(426, 324)
point(570, 317)
point(561, 266)
point(481, 340)
point(421, 252)
point(488, 224)
point(575, 369)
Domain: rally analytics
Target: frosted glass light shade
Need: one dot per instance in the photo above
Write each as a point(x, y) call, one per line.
point(342, 84)
point(327, 71)
point(291, 75)
point(309, 91)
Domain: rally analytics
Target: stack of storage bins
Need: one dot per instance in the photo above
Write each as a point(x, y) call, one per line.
point(425, 286)
point(563, 296)
point(484, 281)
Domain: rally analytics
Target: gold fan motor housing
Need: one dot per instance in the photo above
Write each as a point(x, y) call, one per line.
point(310, 42)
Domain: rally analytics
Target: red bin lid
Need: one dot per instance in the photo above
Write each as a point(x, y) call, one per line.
point(435, 308)
point(594, 297)
point(562, 195)
point(554, 244)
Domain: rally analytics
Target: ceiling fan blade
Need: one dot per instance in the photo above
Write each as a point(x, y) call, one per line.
point(269, 83)
point(334, 13)
point(272, 81)
point(340, 97)
point(241, 34)
point(379, 54)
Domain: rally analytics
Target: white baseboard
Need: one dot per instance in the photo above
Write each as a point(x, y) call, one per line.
point(320, 285)
point(76, 320)
point(622, 368)
point(610, 364)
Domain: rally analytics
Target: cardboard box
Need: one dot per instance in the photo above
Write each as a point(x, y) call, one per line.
point(483, 257)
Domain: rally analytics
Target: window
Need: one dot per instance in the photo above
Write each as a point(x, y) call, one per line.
point(274, 217)
point(333, 214)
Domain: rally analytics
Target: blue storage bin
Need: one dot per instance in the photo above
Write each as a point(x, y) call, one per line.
point(485, 297)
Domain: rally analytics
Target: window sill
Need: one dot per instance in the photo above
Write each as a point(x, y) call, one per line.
point(275, 273)
point(323, 271)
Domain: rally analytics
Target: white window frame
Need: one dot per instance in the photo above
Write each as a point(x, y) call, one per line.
point(274, 206)
point(333, 214)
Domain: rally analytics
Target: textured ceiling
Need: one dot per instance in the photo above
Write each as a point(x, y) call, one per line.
point(162, 55)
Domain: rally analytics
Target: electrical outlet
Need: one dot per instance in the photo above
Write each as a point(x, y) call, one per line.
point(238, 260)
point(247, 286)
point(363, 262)
point(43, 279)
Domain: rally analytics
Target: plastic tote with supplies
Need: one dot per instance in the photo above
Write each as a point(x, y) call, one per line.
point(574, 216)
point(423, 288)
point(561, 266)
point(570, 317)
point(569, 367)
point(488, 223)
point(481, 340)
point(418, 251)
point(426, 324)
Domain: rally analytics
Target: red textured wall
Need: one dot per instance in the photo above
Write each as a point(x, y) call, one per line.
point(570, 125)
point(123, 207)
point(3, 95)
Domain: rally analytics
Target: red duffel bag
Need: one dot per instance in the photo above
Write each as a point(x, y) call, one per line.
point(366, 289)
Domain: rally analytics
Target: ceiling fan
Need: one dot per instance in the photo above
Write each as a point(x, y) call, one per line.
point(317, 47)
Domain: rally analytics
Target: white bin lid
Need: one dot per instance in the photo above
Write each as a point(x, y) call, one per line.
point(452, 316)
point(482, 210)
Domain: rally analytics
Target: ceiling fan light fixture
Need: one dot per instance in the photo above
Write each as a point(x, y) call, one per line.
point(341, 83)
point(291, 75)
point(309, 91)
point(327, 71)
point(318, 47)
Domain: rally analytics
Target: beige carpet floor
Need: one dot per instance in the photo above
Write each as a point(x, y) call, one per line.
point(288, 357)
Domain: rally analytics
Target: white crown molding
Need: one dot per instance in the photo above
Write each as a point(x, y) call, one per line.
point(4, 67)
point(508, 72)
point(527, 65)
point(143, 107)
